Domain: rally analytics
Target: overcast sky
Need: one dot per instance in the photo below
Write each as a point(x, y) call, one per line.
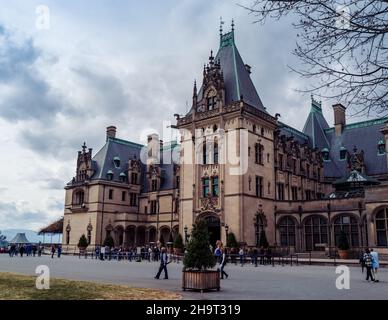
point(126, 63)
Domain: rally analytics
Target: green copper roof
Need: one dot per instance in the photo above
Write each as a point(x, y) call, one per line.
point(227, 40)
point(363, 124)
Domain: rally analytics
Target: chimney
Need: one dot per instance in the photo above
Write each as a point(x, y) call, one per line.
point(384, 131)
point(153, 147)
point(339, 118)
point(110, 132)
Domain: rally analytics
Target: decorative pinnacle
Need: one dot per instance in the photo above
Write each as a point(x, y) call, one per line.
point(232, 24)
point(221, 29)
point(84, 147)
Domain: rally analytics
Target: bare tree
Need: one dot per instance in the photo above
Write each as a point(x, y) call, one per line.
point(342, 45)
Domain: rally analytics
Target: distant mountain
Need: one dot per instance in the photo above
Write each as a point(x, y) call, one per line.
point(31, 235)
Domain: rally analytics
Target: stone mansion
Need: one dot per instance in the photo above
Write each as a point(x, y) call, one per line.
point(301, 187)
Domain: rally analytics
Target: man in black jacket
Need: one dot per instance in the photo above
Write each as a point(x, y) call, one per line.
point(163, 264)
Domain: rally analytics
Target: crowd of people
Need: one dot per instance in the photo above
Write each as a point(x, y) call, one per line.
point(25, 250)
point(147, 253)
point(32, 250)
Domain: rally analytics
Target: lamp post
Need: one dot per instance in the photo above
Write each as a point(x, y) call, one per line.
point(186, 236)
point(226, 232)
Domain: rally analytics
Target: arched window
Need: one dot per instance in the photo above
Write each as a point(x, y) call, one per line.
point(259, 149)
point(215, 152)
point(79, 198)
point(117, 162)
point(287, 232)
point(350, 226)
point(259, 228)
point(215, 187)
point(325, 154)
point(109, 175)
point(381, 147)
point(123, 177)
point(343, 153)
point(205, 153)
point(382, 227)
point(211, 101)
point(315, 231)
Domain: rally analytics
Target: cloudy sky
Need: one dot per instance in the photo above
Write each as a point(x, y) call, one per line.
point(122, 62)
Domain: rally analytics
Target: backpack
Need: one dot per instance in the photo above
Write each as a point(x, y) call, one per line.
point(218, 252)
point(368, 259)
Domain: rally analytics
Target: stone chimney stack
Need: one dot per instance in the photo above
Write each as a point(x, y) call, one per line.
point(153, 147)
point(111, 132)
point(384, 131)
point(339, 118)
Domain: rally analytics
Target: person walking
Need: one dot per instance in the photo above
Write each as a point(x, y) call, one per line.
point(59, 251)
point(22, 249)
point(102, 253)
point(241, 254)
point(223, 263)
point(368, 260)
point(52, 251)
point(375, 264)
point(163, 264)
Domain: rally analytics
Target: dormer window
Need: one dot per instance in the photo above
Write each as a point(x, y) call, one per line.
point(211, 102)
point(325, 154)
point(123, 177)
point(381, 147)
point(109, 175)
point(343, 153)
point(117, 162)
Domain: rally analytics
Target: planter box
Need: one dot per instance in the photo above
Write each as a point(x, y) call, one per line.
point(343, 254)
point(201, 280)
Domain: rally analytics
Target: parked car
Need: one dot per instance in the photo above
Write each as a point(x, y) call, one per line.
point(3, 250)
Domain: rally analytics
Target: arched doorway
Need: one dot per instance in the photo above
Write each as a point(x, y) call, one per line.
point(316, 233)
point(214, 229)
point(141, 236)
point(164, 235)
point(152, 235)
point(130, 236)
point(119, 235)
point(349, 225)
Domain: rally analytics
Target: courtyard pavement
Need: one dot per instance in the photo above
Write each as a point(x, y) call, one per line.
point(247, 283)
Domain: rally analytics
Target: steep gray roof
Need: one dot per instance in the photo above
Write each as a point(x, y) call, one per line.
point(299, 136)
point(20, 238)
point(237, 79)
point(315, 126)
point(103, 161)
point(363, 135)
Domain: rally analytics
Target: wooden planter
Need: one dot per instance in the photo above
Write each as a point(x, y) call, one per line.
point(343, 254)
point(201, 280)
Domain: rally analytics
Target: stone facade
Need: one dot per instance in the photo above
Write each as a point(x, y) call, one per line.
point(291, 186)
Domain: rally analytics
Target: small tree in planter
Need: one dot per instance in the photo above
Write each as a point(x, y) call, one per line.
point(82, 243)
point(198, 260)
point(263, 240)
point(109, 242)
point(343, 245)
point(178, 244)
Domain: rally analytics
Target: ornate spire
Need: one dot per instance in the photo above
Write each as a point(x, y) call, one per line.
point(195, 93)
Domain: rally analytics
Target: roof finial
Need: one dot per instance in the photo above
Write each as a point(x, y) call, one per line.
point(232, 25)
point(195, 88)
point(221, 28)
